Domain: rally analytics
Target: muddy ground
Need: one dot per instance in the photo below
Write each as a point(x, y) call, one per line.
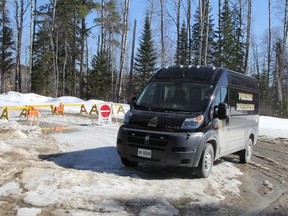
point(264, 189)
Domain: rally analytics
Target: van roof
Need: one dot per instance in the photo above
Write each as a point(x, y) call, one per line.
point(189, 73)
point(204, 74)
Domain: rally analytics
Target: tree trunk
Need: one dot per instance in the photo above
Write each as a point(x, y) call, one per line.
point(162, 32)
point(102, 28)
point(74, 54)
point(82, 50)
point(19, 17)
point(123, 48)
point(32, 32)
point(189, 30)
point(54, 75)
point(16, 85)
point(248, 35)
point(219, 34)
point(278, 67)
point(282, 56)
point(2, 24)
point(207, 8)
point(132, 59)
point(269, 44)
point(178, 30)
point(201, 28)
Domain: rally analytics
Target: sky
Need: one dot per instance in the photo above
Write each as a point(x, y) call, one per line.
point(137, 11)
point(82, 164)
point(259, 10)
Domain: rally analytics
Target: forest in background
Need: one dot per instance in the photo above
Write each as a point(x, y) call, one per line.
point(175, 32)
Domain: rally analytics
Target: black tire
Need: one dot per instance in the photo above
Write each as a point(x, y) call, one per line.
point(128, 163)
point(246, 154)
point(206, 162)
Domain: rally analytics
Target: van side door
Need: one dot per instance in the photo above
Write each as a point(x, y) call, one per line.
point(222, 131)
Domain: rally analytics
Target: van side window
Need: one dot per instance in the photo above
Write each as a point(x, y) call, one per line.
point(221, 96)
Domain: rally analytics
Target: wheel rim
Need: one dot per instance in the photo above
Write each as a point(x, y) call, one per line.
point(249, 151)
point(208, 161)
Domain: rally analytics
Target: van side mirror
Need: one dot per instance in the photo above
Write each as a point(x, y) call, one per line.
point(223, 111)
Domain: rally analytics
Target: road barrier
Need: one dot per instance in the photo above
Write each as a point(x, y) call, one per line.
point(118, 107)
point(7, 108)
point(58, 110)
point(82, 107)
point(94, 109)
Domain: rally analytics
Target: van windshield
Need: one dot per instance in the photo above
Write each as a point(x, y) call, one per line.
point(174, 97)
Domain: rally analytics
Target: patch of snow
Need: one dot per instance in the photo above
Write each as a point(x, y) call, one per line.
point(86, 175)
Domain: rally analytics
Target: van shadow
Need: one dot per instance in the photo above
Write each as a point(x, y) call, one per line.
point(106, 160)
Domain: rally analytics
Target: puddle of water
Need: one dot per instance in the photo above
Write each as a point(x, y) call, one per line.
point(48, 127)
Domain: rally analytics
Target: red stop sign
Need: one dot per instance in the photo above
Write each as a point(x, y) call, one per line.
point(105, 110)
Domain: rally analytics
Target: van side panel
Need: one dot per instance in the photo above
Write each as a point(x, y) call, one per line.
point(242, 123)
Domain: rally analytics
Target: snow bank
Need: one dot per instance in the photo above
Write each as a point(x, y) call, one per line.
point(87, 175)
point(273, 128)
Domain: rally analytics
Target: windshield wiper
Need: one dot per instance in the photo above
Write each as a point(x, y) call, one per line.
point(142, 107)
point(168, 109)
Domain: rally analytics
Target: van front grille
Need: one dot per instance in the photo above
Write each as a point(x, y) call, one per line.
point(147, 140)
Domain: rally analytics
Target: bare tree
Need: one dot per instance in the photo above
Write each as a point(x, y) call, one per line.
point(132, 59)
point(178, 29)
point(201, 29)
point(189, 34)
point(20, 9)
point(282, 56)
point(33, 6)
point(206, 9)
point(269, 43)
point(162, 32)
point(123, 47)
point(248, 34)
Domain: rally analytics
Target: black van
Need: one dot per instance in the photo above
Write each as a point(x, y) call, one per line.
point(189, 117)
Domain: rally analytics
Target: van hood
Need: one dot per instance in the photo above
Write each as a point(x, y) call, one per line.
point(159, 120)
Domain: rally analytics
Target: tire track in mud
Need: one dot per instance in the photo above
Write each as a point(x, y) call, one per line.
point(270, 159)
point(269, 172)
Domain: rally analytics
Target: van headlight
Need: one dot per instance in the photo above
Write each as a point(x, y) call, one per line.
point(127, 116)
point(193, 123)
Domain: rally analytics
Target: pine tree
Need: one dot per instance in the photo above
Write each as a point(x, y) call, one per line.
point(239, 48)
point(99, 78)
point(226, 40)
point(6, 45)
point(196, 37)
point(145, 60)
point(183, 49)
point(42, 61)
point(230, 47)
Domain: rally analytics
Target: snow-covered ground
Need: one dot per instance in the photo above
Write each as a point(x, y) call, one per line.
point(83, 173)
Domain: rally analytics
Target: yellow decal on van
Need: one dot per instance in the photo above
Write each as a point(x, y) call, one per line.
point(245, 97)
point(245, 107)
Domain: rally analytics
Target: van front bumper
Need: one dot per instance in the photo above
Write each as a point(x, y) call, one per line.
point(166, 148)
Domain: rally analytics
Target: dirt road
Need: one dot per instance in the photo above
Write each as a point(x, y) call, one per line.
point(264, 189)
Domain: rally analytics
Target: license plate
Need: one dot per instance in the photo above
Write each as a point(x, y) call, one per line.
point(144, 153)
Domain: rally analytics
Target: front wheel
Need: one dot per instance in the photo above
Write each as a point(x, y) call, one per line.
point(128, 163)
point(206, 162)
point(246, 154)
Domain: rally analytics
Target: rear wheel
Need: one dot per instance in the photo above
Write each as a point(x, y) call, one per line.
point(129, 163)
point(246, 154)
point(206, 162)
